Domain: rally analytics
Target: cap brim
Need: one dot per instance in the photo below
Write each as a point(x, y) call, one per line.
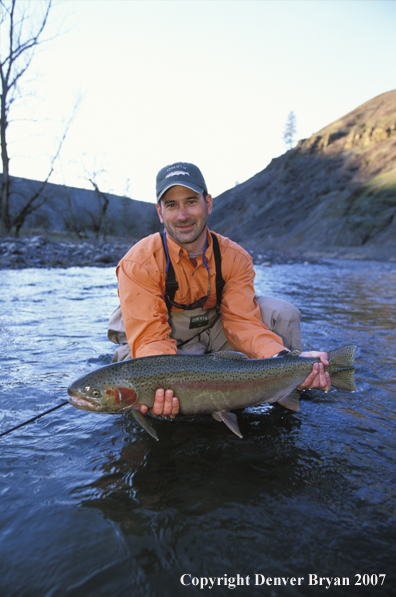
point(192, 186)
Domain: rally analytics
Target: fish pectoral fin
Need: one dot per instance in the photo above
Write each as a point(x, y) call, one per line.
point(291, 401)
point(141, 419)
point(233, 356)
point(229, 419)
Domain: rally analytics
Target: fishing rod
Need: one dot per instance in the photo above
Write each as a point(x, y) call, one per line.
point(35, 418)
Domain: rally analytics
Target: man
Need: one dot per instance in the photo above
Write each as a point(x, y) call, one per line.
point(191, 291)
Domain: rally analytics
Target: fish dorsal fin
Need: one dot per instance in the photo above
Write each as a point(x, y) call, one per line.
point(291, 401)
point(233, 356)
point(229, 419)
point(294, 353)
point(142, 420)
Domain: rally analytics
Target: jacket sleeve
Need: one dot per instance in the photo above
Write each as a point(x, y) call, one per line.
point(240, 313)
point(144, 310)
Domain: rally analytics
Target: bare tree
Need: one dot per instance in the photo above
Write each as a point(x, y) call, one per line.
point(22, 33)
point(72, 219)
point(290, 130)
point(98, 217)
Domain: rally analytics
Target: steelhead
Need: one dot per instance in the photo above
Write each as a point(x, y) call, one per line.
point(212, 383)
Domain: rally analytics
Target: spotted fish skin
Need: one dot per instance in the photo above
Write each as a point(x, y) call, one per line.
point(213, 383)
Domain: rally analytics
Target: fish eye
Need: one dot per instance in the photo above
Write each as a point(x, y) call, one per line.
point(95, 393)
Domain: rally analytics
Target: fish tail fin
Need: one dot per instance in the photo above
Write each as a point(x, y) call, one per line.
point(344, 380)
point(229, 419)
point(342, 356)
point(141, 419)
point(341, 368)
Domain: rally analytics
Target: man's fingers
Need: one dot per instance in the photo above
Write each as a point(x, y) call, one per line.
point(171, 405)
point(323, 356)
point(328, 382)
point(321, 378)
point(158, 406)
point(165, 404)
point(310, 380)
point(175, 407)
point(167, 409)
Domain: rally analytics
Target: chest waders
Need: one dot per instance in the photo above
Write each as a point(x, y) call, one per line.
point(188, 324)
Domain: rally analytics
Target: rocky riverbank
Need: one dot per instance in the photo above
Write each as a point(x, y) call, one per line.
point(41, 252)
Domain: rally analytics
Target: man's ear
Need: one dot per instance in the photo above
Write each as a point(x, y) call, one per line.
point(209, 203)
point(158, 206)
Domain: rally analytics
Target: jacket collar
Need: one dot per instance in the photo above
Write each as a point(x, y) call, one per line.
point(176, 251)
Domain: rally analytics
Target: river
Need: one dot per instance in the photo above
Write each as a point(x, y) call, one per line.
point(92, 505)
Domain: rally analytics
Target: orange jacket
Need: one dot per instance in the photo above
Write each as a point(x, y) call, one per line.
point(141, 287)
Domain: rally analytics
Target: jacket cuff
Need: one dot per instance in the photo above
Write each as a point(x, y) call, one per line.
point(282, 353)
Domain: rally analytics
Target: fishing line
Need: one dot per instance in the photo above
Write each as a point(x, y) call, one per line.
point(34, 418)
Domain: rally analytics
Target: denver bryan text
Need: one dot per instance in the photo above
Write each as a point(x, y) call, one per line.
point(208, 582)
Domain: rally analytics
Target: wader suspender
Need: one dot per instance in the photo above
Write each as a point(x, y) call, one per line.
point(171, 284)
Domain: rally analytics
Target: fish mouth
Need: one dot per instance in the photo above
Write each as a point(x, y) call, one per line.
point(87, 403)
point(83, 403)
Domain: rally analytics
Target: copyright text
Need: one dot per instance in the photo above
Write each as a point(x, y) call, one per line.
point(209, 582)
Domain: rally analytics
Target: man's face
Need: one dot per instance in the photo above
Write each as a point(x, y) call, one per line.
point(184, 214)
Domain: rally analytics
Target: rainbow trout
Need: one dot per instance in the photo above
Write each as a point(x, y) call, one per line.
point(212, 383)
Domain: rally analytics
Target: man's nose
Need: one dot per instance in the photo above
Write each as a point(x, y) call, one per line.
point(183, 213)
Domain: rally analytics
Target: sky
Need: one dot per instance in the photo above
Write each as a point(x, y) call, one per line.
point(205, 81)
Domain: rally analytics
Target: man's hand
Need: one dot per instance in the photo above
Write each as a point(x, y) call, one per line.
point(165, 405)
point(319, 378)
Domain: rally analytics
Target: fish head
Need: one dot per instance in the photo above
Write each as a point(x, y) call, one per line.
point(93, 392)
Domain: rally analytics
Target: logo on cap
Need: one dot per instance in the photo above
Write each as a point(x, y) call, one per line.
point(176, 173)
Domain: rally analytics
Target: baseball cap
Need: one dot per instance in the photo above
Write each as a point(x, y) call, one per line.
point(180, 173)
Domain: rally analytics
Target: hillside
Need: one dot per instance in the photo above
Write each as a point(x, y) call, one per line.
point(334, 193)
point(82, 213)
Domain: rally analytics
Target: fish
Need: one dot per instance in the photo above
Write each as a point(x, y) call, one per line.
point(213, 383)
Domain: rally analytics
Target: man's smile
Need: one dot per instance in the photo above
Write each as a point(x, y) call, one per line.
point(185, 226)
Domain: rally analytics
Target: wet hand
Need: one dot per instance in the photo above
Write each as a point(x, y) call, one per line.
point(165, 405)
point(319, 378)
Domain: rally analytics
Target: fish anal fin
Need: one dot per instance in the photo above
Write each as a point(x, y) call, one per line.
point(143, 422)
point(291, 401)
point(233, 356)
point(229, 419)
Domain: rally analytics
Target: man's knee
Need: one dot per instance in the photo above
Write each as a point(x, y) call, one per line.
point(272, 309)
point(283, 318)
point(122, 353)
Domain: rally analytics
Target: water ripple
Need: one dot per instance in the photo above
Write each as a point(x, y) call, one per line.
point(97, 507)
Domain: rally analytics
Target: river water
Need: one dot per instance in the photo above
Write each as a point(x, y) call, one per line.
point(92, 505)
